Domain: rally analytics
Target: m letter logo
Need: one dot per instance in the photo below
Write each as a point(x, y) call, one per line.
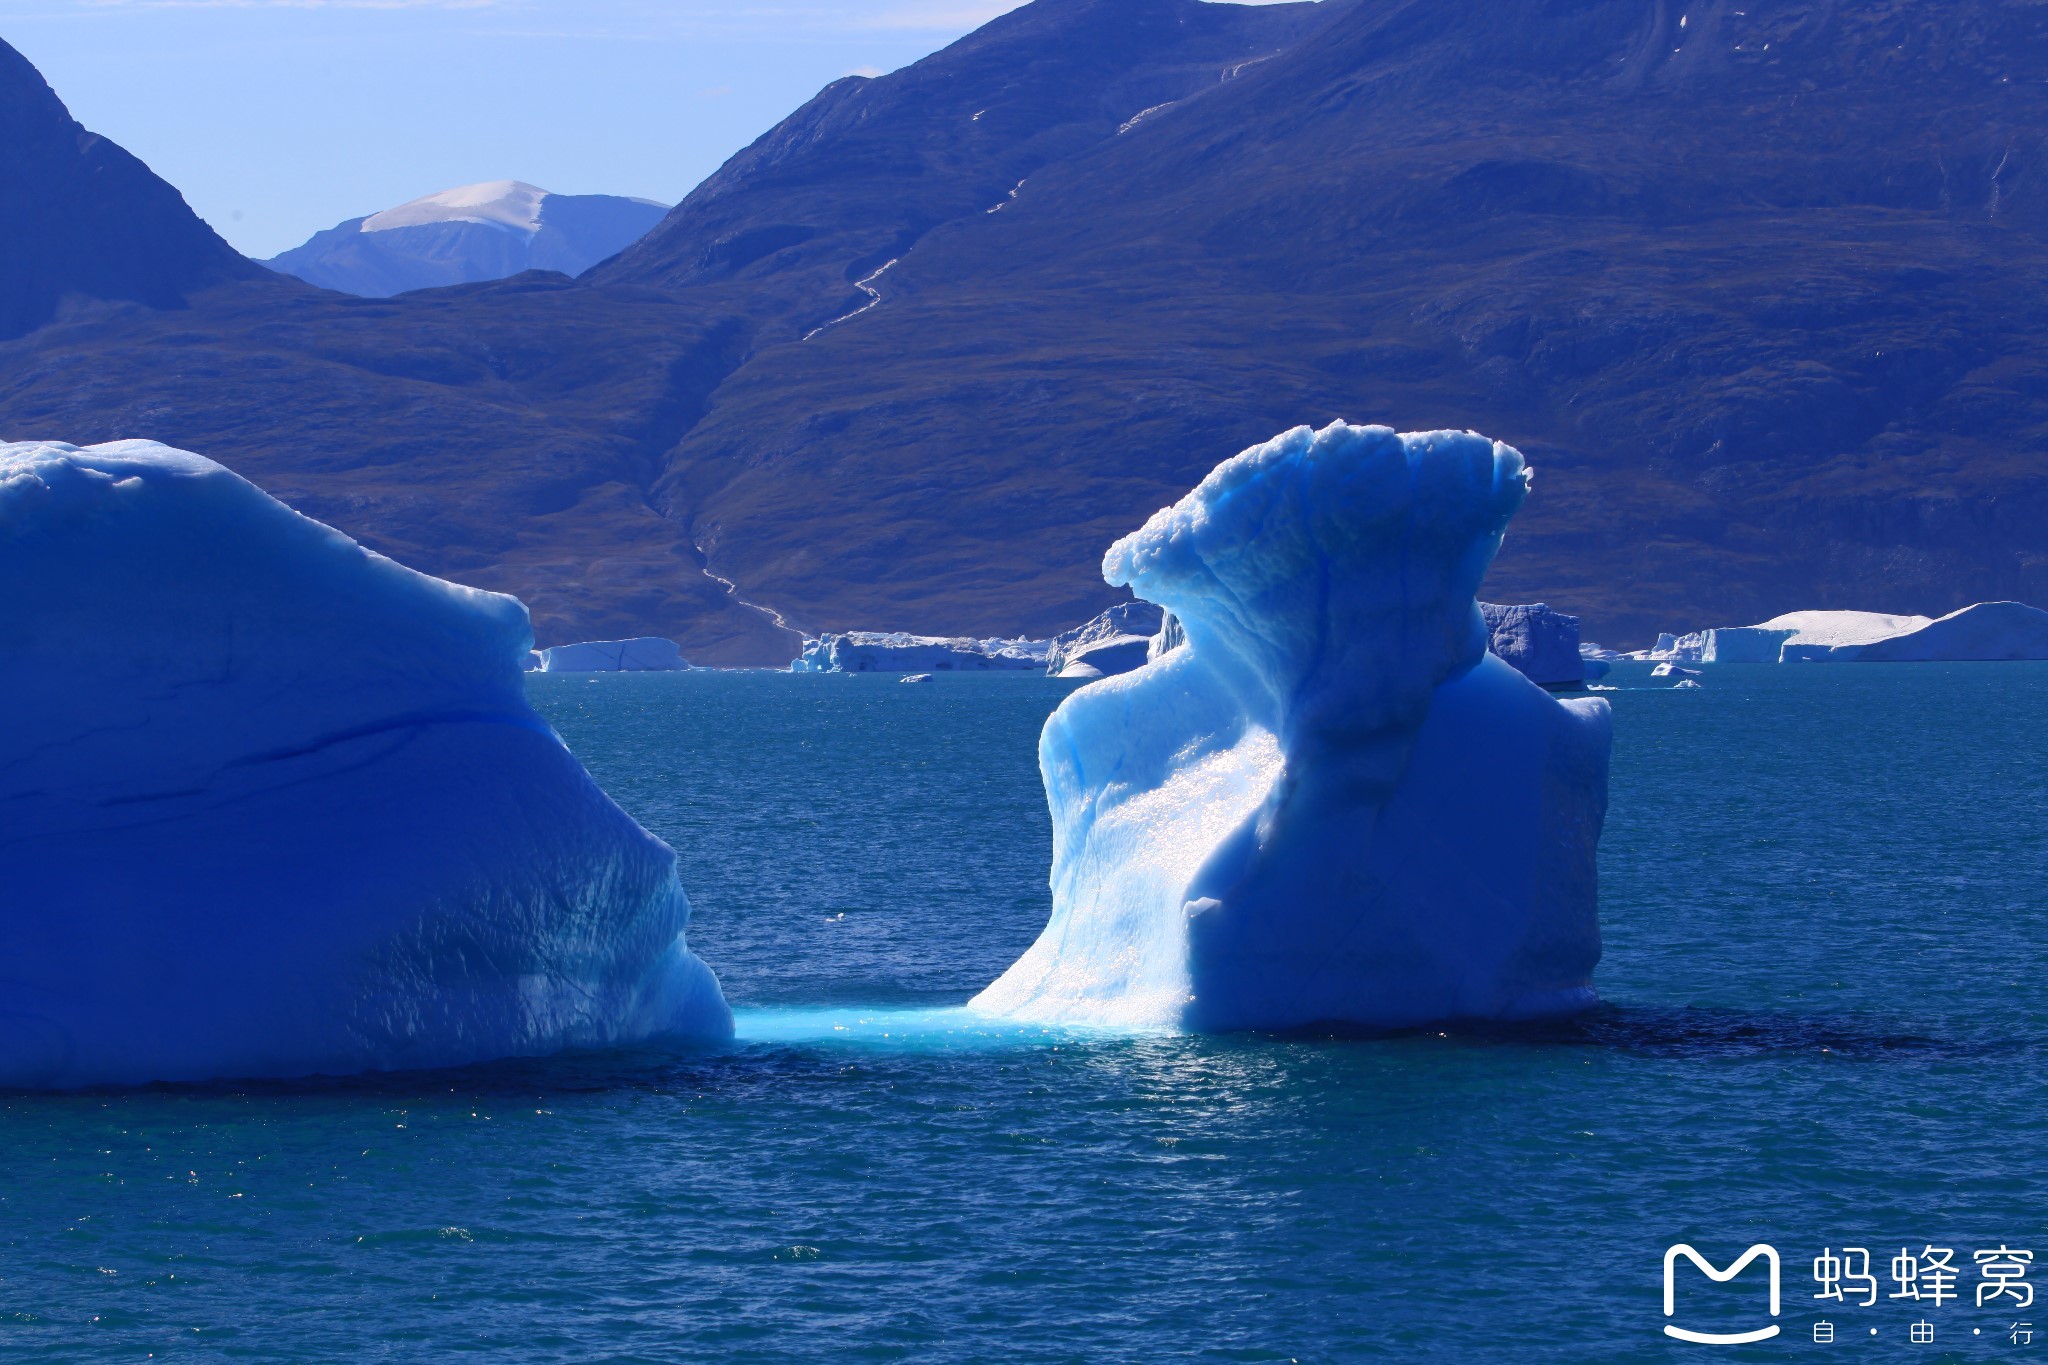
point(1769, 1254)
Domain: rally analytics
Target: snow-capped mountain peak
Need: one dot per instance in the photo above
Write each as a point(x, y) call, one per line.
point(485, 231)
point(511, 204)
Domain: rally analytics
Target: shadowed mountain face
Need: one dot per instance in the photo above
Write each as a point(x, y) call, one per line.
point(86, 221)
point(1758, 289)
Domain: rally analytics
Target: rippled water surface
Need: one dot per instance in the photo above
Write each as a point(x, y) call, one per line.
point(1825, 900)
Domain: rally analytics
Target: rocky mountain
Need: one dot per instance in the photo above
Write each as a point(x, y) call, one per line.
point(513, 434)
point(1757, 286)
point(85, 222)
point(502, 434)
point(860, 175)
point(469, 234)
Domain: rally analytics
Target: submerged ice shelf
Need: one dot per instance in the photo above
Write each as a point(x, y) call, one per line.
point(901, 1028)
point(271, 804)
point(1331, 803)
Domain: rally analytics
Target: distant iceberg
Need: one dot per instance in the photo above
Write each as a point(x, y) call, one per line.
point(1331, 803)
point(1821, 635)
point(1670, 648)
point(878, 651)
point(1117, 641)
point(1985, 631)
point(1833, 629)
point(1744, 645)
point(646, 654)
point(1540, 644)
point(272, 805)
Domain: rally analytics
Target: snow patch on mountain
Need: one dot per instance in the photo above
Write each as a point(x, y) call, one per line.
point(512, 204)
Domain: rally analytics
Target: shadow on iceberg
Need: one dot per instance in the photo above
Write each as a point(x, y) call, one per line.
point(1331, 804)
point(273, 805)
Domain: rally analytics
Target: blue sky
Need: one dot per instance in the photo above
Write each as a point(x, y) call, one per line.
point(277, 118)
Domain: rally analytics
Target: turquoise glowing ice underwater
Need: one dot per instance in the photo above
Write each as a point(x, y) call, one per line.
point(1825, 903)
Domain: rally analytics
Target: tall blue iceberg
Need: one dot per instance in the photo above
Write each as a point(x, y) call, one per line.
point(271, 804)
point(1331, 804)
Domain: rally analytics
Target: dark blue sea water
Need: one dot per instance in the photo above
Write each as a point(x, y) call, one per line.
point(1825, 900)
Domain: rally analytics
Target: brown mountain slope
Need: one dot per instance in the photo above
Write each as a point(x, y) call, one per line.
point(509, 435)
point(1759, 292)
point(1758, 287)
point(501, 435)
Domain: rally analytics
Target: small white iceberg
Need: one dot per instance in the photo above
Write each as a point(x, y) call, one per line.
point(644, 654)
point(1744, 644)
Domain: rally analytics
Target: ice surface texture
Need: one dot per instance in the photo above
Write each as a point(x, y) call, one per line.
point(271, 804)
point(1542, 645)
point(1117, 641)
point(1833, 629)
point(1331, 804)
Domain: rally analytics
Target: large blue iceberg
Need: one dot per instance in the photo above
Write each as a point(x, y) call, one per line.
point(271, 804)
point(1330, 804)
